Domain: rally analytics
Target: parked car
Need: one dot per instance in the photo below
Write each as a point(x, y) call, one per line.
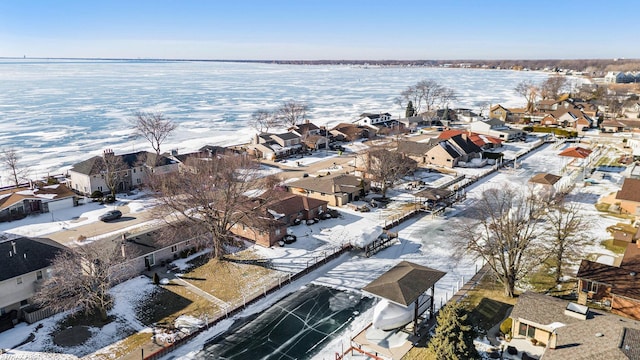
point(111, 215)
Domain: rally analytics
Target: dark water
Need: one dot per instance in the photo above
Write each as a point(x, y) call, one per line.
point(296, 327)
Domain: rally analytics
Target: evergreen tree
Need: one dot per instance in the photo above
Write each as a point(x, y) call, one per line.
point(411, 111)
point(453, 339)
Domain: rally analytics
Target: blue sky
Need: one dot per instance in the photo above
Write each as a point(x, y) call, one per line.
point(322, 29)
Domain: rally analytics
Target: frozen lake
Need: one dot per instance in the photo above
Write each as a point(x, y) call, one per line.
point(57, 112)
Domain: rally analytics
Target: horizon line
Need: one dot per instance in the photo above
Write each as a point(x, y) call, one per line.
point(303, 60)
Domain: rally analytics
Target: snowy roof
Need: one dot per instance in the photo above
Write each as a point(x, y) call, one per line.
point(404, 283)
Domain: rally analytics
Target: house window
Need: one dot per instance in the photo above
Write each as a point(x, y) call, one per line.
point(589, 286)
point(139, 181)
point(19, 280)
point(526, 330)
point(38, 275)
point(277, 232)
point(134, 170)
point(174, 248)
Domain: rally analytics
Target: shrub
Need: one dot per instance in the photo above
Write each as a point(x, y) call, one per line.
point(109, 199)
point(96, 194)
point(505, 327)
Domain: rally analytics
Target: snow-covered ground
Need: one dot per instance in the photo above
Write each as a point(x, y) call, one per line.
point(425, 241)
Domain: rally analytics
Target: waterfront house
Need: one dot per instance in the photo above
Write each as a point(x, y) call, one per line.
point(36, 198)
point(349, 132)
point(500, 112)
point(89, 175)
point(371, 119)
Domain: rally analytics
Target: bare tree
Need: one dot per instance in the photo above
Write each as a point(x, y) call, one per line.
point(387, 167)
point(568, 231)
point(553, 86)
point(114, 170)
point(154, 127)
point(11, 161)
point(530, 92)
point(292, 113)
point(262, 120)
point(504, 231)
point(212, 196)
point(81, 278)
point(425, 95)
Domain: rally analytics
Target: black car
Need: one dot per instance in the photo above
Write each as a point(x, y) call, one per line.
point(111, 215)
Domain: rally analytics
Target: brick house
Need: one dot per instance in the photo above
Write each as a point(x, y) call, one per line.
point(615, 287)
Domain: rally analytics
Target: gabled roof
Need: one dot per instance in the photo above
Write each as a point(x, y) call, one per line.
point(541, 309)
point(46, 192)
point(545, 179)
point(303, 128)
point(624, 281)
point(286, 136)
point(478, 139)
point(576, 152)
point(630, 190)
point(599, 336)
point(287, 203)
point(373, 116)
point(331, 184)
point(404, 283)
point(31, 254)
point(415, 148)
point(464, 143)
point(498, 106)
point(95, 165)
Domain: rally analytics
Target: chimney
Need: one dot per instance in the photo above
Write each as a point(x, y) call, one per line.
point(107, 153)
point(13, 247)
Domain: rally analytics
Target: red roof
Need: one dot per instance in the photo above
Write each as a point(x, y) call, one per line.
point(477, 139)
point(576, 152)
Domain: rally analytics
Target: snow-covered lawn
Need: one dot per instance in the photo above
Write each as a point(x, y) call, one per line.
point(425, 241)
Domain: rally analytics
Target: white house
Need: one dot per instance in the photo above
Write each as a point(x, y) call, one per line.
point(368, 119)
point(496, 128)
point(24, 263)
point(88, 176)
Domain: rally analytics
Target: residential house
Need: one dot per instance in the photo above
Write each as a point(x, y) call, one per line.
point(291, 209)
point(496, 128)
point(307, 128)
point(36, 199)
point(416, 150)
point(616, 288)
point(631, 109)
point(628, 197)
point(349, 132)
point(567, 330)
point(336, 189)
point(275, 146)
point(547, 105)
point(612, 126)
point(24, 264)
point(573, 118)
point(467, 115)
point(413, 123)
point(89, 175)
point(499, 112)
point(451, 152)
point(371, 119)
point(485, 142)
point(148, 250)
point(265, 230)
